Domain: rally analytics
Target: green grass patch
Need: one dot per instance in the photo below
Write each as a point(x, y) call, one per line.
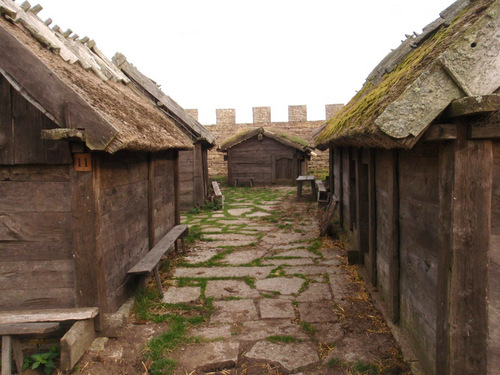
point(308, 328)
point(363, 368)
point(195, 233)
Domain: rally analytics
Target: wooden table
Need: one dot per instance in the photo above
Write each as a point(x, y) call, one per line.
point(301, 179)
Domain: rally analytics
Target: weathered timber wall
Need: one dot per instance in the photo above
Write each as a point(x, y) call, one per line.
point(419, 247)
point(123, 218)
point(217, 166)
point(254, 158)
point(21, 125)
point(494, 269)
point(36, 270)
point(186, 168)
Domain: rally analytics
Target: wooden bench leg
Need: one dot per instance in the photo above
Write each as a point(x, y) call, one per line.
point(313, 188)
point(6, 355)
point(299, 189)
point(183, 246)
point(158, 281)
point(18, 354)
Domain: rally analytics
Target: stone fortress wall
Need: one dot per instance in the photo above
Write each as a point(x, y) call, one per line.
point(297, 125)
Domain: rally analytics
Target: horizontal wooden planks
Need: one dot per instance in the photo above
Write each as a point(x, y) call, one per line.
point(28, 328)
point(43, 196)
point(15, 299)
point(47, 315)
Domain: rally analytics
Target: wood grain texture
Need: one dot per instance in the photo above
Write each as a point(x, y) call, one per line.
point(471, 237)
point(28, 328)
point(47, 315)
point(6, 125)
point(76, 342)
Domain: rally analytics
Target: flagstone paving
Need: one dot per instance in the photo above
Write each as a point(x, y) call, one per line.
point(278, 297)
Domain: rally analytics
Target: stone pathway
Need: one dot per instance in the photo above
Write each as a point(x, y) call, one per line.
point(260, 293)
point(278, 298)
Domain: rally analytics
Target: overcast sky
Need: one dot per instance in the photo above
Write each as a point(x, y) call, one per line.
point(210, 54)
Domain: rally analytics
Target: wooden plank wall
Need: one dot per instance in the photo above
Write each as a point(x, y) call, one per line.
point(387, 229)
point(253, 158)
point(164, 216)
point(419, 247)
point(36, 268)
point(123, 219)
point(348, 189)
point(21, 125)
point(186, 169)
point(494, 270)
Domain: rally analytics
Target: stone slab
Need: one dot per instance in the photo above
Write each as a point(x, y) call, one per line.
point(234, 311)
point(255, 272)
point(271, 308)
point(230, 237)
point(258, 214)
point(317, 312)
point(288, 262)
point(207, 357)
point(212, 332)
point(243, 257)
point(301, 253)
point(181, 294)
point(198, 255)
point(291, 356)
point(238, 211)
point(331, 333)
point(315, 292)
point(260, 330)
point(283, 285)
point(233, 222)
point(307, 270)
point(220, 289)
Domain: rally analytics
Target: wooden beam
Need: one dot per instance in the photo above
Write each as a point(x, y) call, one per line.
point(75, 342)
point(47, 315)
point(473, 105)
point(6, 355)
point(440, 132)
point(51, 92)
point(60, 134)
point(372, 223)
point(27, 328)
point(484, 132)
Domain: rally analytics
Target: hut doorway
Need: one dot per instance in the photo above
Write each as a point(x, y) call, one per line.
point(284, 168)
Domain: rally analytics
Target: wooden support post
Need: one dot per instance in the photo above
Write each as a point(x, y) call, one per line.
point(158, 280)
point(18, 354)
point(394, 269)
point(339, 186)
point(75, 342)
point(6, 355)
point(372, 224)
point(471, 214)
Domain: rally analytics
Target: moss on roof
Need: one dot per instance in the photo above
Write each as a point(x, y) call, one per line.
point(355, 123)
point(287, 139)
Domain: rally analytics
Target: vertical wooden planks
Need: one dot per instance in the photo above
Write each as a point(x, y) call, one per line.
point(471, 238)
point(372, 219)
point(174, 155)
point(198, 194)
point(362, 205)
point(339, 183)
point(446, 185)
point(6, 125)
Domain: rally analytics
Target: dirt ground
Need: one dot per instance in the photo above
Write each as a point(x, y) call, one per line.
point(355, 341)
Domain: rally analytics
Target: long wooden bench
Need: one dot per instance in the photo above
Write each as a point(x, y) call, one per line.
point(28, 322)
point(149, 263)
point(239, 179)
point(301, 179)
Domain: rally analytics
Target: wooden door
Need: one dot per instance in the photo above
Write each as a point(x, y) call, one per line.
point(284, 169)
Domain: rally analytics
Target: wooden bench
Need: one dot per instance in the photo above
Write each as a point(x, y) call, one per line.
point(28, 322)
point(149, 263)
point(239, 179)
point(217, 193)
point(301, 179)
point(322, 194)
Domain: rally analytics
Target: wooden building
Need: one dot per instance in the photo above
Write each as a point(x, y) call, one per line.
point(262, 157)
point(88, 170)
point(193, 164)
point(415, 166)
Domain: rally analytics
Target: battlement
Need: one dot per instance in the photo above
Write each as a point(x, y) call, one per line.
point(262, 115)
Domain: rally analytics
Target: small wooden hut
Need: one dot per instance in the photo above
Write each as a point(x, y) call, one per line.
point(259, 156)
point(415, 166)
point(193, 164)
point(88, 170)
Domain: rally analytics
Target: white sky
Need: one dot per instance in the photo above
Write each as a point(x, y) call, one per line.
point(210, 54)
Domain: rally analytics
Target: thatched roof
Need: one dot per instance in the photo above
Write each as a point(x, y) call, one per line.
point(190, 126)
point(74, 84)
point(455, 56)
point(285, 139)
